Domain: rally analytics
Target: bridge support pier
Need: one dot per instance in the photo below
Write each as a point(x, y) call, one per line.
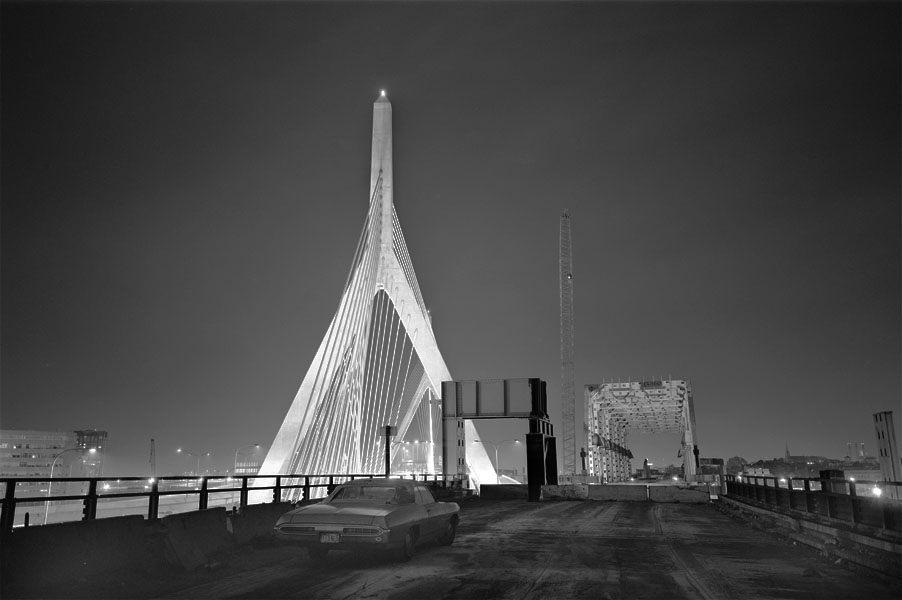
point(541, 451)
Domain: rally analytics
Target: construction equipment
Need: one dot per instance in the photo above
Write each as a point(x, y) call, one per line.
point(568, 396)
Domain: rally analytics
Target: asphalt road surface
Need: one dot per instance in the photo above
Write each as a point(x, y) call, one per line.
point(516, 549)
point(599, 550)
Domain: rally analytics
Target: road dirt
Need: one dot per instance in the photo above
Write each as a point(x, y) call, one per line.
point(522, 550)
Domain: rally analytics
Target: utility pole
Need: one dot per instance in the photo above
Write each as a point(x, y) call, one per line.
point(568, 396)
point(390, 430)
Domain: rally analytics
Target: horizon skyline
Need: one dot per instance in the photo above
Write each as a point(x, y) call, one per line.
point(260, 453)
point(247, 455)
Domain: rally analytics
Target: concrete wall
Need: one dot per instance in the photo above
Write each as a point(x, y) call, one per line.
point(565, 492)
point(54, 554)
point(256, 521)
point(627, 493)
point(838, 542)
point(672, 493)
point(192, 539)
point(504, 492)
point(32, 557)
point(603, 493)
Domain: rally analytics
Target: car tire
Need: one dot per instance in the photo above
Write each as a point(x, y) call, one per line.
point(450, 532)
point(406, 551)
point(317, 553)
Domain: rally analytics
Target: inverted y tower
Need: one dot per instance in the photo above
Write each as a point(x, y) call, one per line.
point(379, 363)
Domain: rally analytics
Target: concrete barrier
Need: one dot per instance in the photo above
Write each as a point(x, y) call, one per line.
point(627, 493)
point(672, 493)
point(565, 492)
point(53, 554)
point(255, 521)
point(192, 539)
point(611, 492)
point(880, 551)
point(504, 492)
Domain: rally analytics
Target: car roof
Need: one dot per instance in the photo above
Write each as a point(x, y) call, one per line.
point(382, 481)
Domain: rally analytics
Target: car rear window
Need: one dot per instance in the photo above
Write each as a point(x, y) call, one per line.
point(424, 496)
point(372, 494)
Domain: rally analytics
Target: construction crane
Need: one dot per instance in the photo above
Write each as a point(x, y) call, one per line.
point(153, 458)
point(568, 396)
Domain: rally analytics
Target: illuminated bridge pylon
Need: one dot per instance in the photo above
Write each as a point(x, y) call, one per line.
point(378, 363)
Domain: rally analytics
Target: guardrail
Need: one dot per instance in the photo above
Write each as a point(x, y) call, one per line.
point(100, 488)
point(845, 500)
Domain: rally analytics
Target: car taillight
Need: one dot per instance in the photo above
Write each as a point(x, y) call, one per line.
point(360, 531)
point(297, 529)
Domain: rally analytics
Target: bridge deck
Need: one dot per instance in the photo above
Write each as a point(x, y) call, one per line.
point(514, 549)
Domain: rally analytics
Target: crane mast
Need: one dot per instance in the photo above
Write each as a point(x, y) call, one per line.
point(568, 396)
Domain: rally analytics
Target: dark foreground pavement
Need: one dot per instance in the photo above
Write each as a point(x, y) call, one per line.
point(513, 549)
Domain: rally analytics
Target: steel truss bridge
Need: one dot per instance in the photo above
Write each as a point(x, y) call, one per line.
point(615, 409)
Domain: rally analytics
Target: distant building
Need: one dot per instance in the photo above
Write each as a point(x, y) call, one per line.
point(648, 473)
point(92, 439)
point(756, 472)
point(248, 465)
point(862, 474)
point(38, 458)
point(40, 455)
point(856, 452)
point(28, 453)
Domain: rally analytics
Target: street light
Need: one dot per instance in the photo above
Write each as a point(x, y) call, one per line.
point(50, 485)
point(495, 445)
point(197, 456)
point(238, 451)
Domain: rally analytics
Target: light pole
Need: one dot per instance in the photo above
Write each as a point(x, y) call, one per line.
point(197, 456)
point(495, 446)
point(50, 485)
point(237, 452)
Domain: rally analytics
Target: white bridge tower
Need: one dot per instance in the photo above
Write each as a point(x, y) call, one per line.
point(378, 364)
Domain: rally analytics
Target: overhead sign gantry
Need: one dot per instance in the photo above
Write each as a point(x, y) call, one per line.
point(500, 399)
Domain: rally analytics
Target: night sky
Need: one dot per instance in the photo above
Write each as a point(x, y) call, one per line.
point(183, 186)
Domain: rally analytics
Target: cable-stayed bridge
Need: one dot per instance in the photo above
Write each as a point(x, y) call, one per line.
point(378, 363)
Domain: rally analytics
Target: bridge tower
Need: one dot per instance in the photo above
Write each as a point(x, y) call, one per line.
point(378, 363)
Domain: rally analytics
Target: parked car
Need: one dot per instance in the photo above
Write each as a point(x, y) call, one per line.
point(371, 514)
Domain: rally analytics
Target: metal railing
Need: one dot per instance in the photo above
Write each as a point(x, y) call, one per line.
point(99, 489)
point(851, 501)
